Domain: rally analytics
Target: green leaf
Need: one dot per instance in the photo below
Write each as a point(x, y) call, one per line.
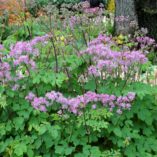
point(59, 150)
point(69, 150)
point(90, 85)
point(42, 129)
point(20, 149)
point(118, 132)
point(18, 122)
point(10, 93)
point(60, 78)
point(1, 89)
point(30, 152)
point(48, 141)
point(3, 102)
point(145, 115)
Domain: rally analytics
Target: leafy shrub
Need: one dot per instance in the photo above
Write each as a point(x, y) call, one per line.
point(72, 92)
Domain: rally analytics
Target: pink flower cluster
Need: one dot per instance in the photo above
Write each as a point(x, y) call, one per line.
point(23, 52)
point(83, 20)
point(146, 44)
point(73, 21)
point(122, 18)
point(145, 41)
point(92, 10)
point(1, 47)
point(101, 39)
point(74, 105)
point(110, 61)
point(5, 74)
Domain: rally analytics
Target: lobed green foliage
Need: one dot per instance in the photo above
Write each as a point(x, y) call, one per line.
point(95, 133)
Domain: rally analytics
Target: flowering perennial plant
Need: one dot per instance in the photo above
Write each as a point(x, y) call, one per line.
point(74, 105)
point(110, 61)
point(83, 20)
point(22, 53)
point(5, 74)
point(146, 44)
point(73, 92)
point(145, 41)
point(48, 74)
point(1, 47)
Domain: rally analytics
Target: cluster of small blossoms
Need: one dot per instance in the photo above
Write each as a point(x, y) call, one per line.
point(74, 105)
point(83, 20)
point(145, 40)
point(146, 43)
point(95, 10)
point(105, 59)
point(5, 74)
point(23, 52)
point(122, 18)
point(101, 39)
point(77, 21)
point(73, 21)
point(1, 47)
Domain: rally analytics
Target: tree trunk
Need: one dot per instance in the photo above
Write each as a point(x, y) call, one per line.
point(125, 17)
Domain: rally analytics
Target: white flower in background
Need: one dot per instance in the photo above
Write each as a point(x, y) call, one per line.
point(108, 20)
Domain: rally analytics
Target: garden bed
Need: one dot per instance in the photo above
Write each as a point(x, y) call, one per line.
point(70, 88)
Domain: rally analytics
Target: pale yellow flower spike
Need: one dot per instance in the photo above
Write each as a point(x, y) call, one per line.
point(111, 5)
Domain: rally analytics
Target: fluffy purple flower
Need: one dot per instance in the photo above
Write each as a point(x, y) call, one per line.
point(92, 70)
point(131, 96)
point(42, 108)
point(5, 73)
point(94, 106)
point(15, 87)
point(119, 111)
point(38, 103)
point(51, 95)
point(39, 39)
point(122, 18)
point(30, 96)
point(145, 40)
point(92, 10)
point(128, 106)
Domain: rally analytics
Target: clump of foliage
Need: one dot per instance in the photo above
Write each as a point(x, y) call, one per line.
point(76, 91)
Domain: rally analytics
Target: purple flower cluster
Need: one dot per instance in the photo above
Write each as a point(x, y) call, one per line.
point(74, 105)
point(101, 39)
point(1, 47)
point(84, 20)
point(40, 39)
point(110, 61)
point(5, 74)
point(23, 52)
point(39, 103)
point(73, 21)
point(145, 41)
point(92, 10)
point(146, 44)
point(122, 18)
